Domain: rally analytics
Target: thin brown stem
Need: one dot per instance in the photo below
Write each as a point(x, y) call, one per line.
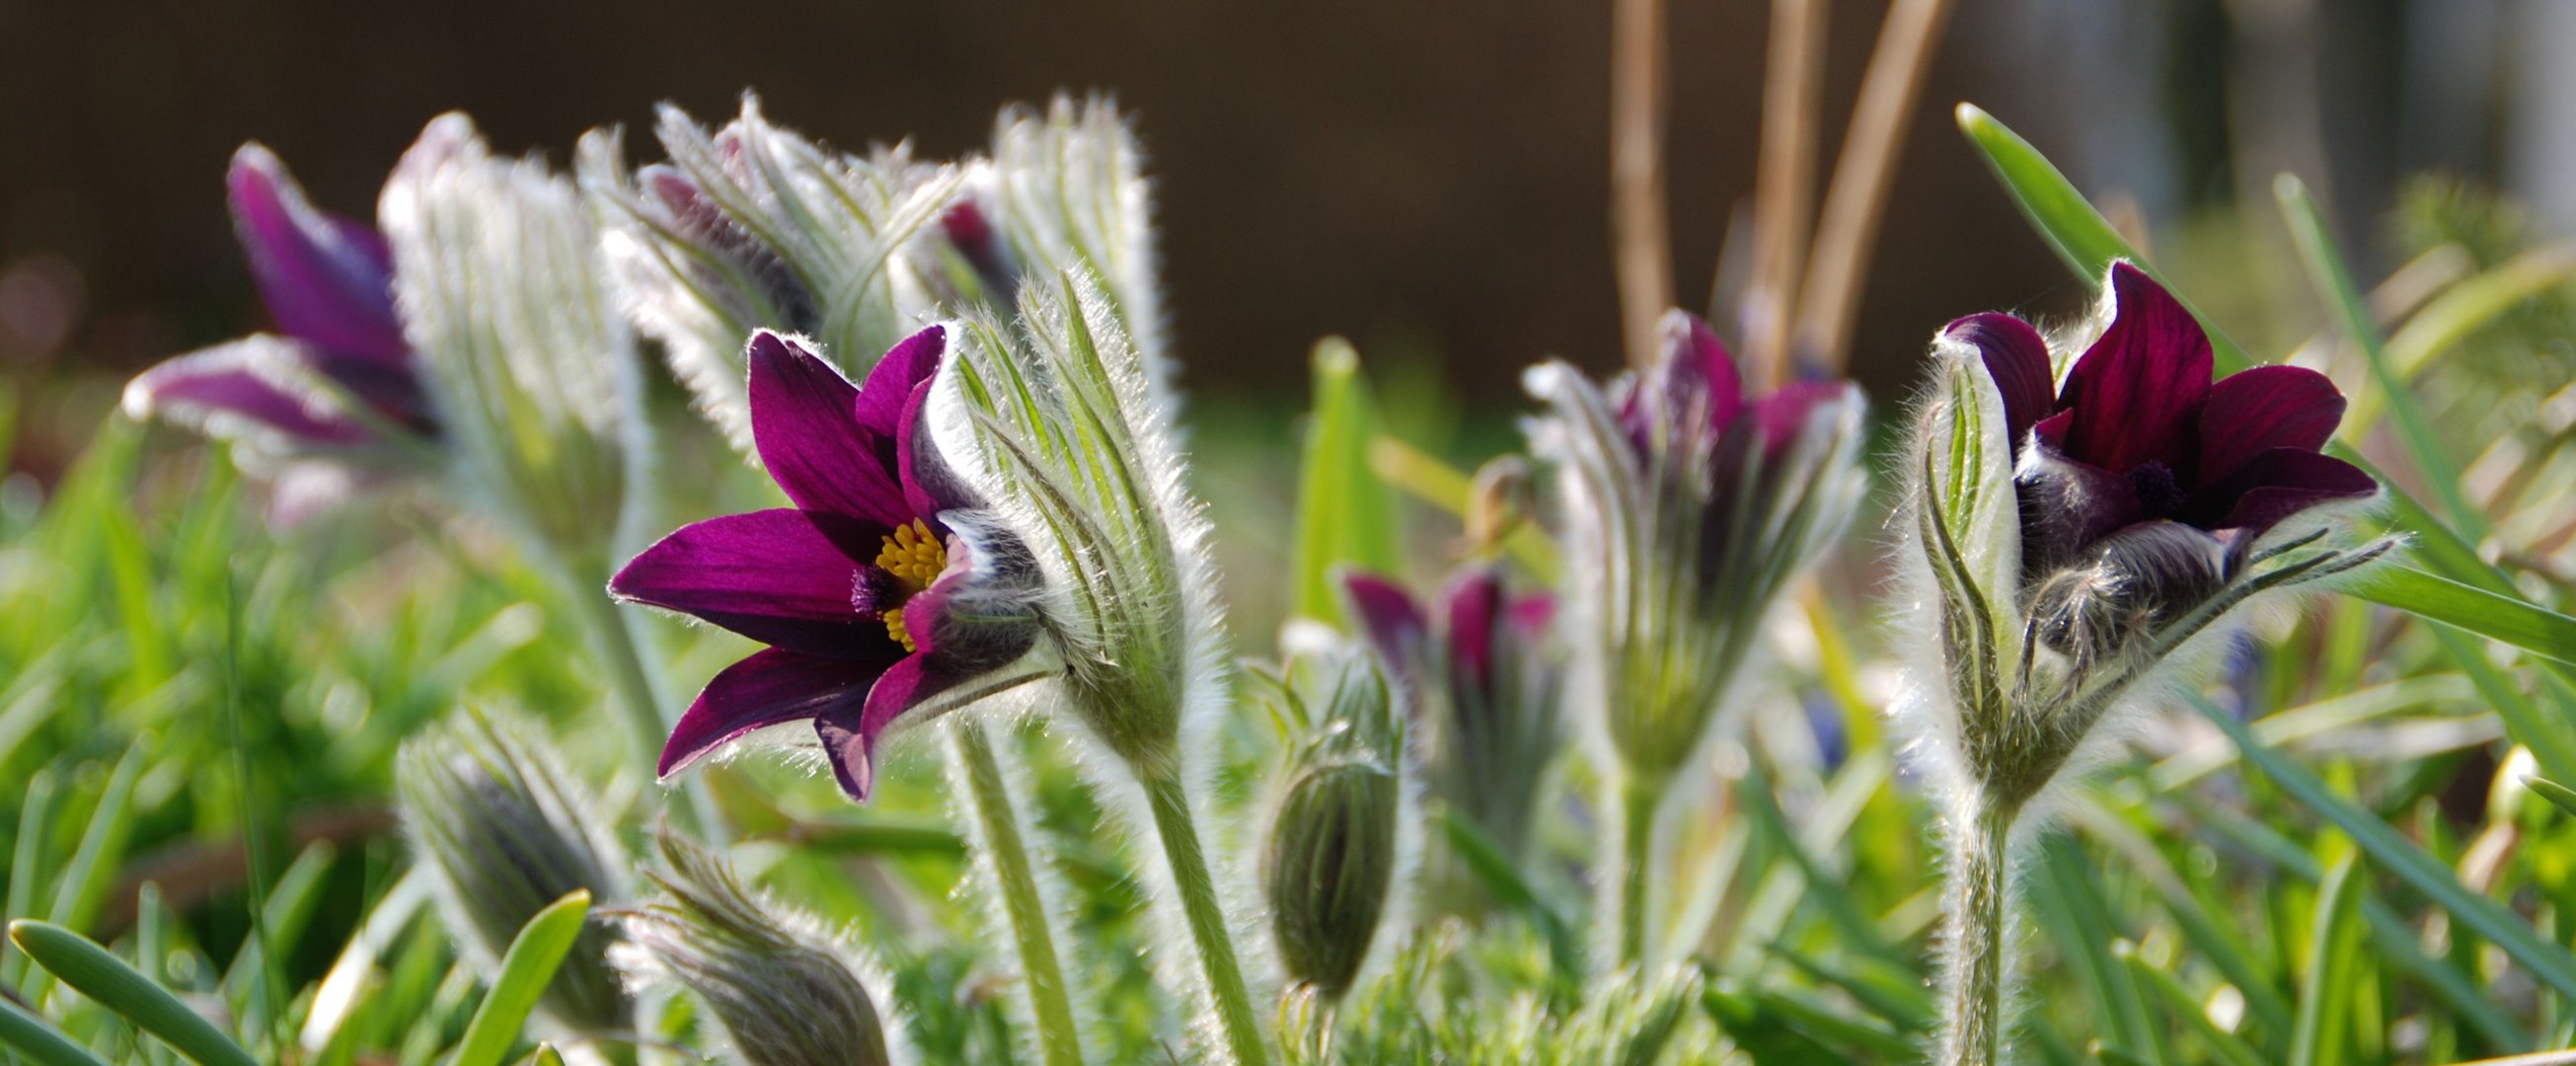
point(1643, 239)
point(1847, 232)
point(1784, 193)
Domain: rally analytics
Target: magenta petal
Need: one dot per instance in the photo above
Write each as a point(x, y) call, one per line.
point(2276, 485)
point(849, 733)
point(1389, 618)
point(889, 386)
point(1472, 604)
point(802, 424)
point(783, 577)
point(771, 687)
point(2264, 408)
point(924, 479)
point(327, 280)
point(227, 390)
point(2136, 393)
point(2016, 356)
point(1782, 416)
point(1531, 615)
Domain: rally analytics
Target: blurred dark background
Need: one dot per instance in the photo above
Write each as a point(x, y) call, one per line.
point(1428, 179)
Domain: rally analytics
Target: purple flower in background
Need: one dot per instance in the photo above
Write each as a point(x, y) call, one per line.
point(337, 382)
point(883, 596)
point(1474, 675)
point(2139, 467)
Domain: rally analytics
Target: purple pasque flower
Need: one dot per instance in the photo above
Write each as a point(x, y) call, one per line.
point(885, 597)
point(1688, 506)
point(1475, 675)
point(337, 379)
point(2140, 468)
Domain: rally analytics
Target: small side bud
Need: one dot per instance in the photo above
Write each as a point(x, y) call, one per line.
point(490, 811)
point(1329, 861)
point(782, 991)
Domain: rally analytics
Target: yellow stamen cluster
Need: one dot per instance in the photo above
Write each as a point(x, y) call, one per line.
point(915, 557)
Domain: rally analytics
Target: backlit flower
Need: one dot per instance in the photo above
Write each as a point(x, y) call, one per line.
point(334, 396)
point(1476, 680)
point(884, 596)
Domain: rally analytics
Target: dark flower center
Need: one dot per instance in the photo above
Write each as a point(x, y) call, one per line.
point(2160, 495)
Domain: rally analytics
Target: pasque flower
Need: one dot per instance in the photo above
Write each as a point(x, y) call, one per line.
point(885, 597)
point(1688, 506)
point(2075, 546)
point(334, 397)
point(1334, 851)
point(1474, 674)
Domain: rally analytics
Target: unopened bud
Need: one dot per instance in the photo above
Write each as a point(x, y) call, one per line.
point(492, 814)
point(1329, 863)
point(782, 990)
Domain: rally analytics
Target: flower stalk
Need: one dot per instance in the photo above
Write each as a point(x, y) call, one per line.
point(1637, 798)
point(1976, 973)
point(1177, 830)
point(1005, 858)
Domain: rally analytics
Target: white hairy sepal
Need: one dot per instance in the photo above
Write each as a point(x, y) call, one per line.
point(1658, 634)
point(1070, 194)
point(1958, 526)
point(530, 366)
point(1055, 427)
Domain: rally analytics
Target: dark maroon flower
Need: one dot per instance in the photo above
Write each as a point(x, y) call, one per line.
point(2138, 446)
point(882, 594)
point(1475, 676)
point(328, 284)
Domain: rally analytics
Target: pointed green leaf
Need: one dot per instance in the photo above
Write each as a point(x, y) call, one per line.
point(76, 961)
point(2512, 620)
point(1345, 515)
point(2326, 988)
point(39, 1042)
point(534, 956)
point(2561, 795)
point(2067, 221)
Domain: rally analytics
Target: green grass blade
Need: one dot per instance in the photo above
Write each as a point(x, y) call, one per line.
point(2229, 1048)
point(76, 961)
point(41, 1043)
point(1424, 477)
point(92, 872)
point(2065, 888)
point(1495, 870)
point(2334, 285)
point(534, 955)
point(2560, 796)
point(2334, 947)
point(1345, 515)
point(2510, 619)
point(2548, 962)
point(2068, 222)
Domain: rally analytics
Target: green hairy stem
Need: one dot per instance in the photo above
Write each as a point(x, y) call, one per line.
point(1179, 833)
point(1638, 798)
point(1015, 881)
point(1976, 972)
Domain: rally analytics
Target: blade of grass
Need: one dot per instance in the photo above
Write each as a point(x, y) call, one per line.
point(2228, 1047)
point(2326, 993)
point(1426, 478)
point(2066, 890)
point(2509, 619)
point(2548, 962)
point(76, 961)
point(534, 955)
point(91, 873)
point(1345, 514)
point(40, 1042)
point(2342, 297)
point(2068, 222)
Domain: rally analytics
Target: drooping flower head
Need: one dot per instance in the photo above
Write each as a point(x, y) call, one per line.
point(782, 991)
point(1479, 686)
point(1689, 505)
point(505, 832)
point(884, 595)
point(2074, 534)
point(334, 397)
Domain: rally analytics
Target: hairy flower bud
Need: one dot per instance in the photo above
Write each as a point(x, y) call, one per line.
point(490, 810)
point(784, 993)
point(1331, 857)
point(530, 367)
